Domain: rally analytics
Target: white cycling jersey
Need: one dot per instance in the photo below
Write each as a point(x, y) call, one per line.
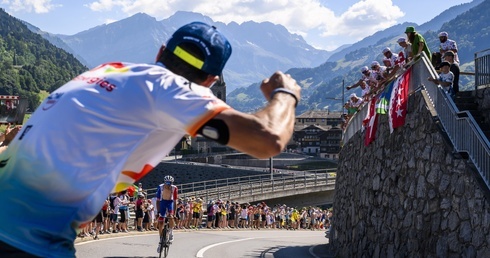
point(97, 134)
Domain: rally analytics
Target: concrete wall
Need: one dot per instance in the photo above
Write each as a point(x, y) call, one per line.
point(188, 173)
point(323, 198)
point(408, 195)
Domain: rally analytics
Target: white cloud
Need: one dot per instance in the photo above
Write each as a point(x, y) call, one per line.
point(103, 5)
point(37, 6)
point(303, 17)
point(298, 16)
point(109, 21)
point(366, 17)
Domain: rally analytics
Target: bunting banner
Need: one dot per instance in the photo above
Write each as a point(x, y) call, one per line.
point(399, 101)
point(371, 122)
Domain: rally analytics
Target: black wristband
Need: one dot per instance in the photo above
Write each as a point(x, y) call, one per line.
point(290, 92)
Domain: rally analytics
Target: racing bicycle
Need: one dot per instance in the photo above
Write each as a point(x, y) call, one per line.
point(164, 243)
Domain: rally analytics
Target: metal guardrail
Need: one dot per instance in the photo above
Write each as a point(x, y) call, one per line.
point(461, 127)
point(247, 186)
point(482, 69)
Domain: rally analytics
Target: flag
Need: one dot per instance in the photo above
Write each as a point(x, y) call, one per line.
point(383, 102)
point(401, 59)
point(399, 101)
point(371, 122)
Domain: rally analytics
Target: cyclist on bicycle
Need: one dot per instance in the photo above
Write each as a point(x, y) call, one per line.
point(166, 200)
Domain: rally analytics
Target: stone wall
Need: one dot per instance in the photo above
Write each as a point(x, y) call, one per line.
point(408, 195)
point(483, 99)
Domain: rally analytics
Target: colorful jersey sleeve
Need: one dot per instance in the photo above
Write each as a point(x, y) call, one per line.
point(159, 192)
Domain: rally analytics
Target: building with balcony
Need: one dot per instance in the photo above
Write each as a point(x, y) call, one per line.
point(318, 133)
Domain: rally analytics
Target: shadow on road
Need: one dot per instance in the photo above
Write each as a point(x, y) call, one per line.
point(318, 251)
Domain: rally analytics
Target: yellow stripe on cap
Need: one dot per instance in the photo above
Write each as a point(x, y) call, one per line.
point(190, 59)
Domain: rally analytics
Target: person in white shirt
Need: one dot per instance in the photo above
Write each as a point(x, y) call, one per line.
point(378, 70)
point(367, 76)
point(390, 57)
point(407, 48)
point(448, 45)
point(355, 101)
point(115, 203)
point(110, 126)
point(366, 91)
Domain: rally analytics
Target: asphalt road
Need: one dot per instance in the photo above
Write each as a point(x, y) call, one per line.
point(213, 243)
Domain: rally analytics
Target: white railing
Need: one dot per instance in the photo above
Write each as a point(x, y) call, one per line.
point(248, 186)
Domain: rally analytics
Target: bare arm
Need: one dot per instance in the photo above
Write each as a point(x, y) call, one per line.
point(265, 133)
point(8, 136)
point(357, 84)
point(421, 47)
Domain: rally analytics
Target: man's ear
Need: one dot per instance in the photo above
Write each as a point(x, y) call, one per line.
point(160, 52)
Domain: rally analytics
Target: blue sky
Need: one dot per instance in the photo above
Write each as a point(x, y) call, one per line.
point(325, 24)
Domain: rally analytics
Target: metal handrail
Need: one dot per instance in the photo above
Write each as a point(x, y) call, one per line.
point(473, 141)
point(246, 186)
point(482, 69)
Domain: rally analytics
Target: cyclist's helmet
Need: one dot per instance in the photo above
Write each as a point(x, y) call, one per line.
point(168, 179)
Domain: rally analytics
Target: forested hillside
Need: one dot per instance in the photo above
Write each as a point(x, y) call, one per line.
point(471, 30)
point(30, 64)
point(322, 85)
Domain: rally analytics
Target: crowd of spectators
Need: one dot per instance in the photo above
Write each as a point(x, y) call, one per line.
point(374, 78)
point(226, 214)
point(122, 210)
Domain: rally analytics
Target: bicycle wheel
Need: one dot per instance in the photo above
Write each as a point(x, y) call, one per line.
point(162, 244)
point(166, 243)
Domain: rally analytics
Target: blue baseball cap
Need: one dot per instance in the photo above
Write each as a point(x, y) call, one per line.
point(214, 45)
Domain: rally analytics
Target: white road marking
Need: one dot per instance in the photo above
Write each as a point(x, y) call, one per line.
point(200, 253)
point(109, 238)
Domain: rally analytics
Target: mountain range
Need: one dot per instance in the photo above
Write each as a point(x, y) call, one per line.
point(259, 49)
point(322, 85)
